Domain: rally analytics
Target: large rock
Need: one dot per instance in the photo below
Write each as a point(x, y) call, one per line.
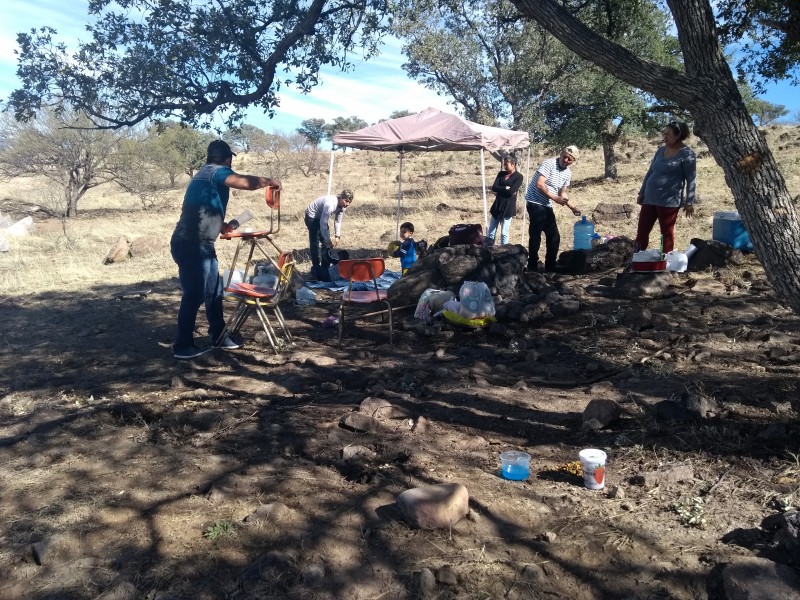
point(614, 254)
point(119, 252)
point(760, 579)
point(713, 254)
point(606, 212)
point(499, 267)
point(434, 506)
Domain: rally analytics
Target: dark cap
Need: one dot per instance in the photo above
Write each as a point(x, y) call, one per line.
point(218, 151)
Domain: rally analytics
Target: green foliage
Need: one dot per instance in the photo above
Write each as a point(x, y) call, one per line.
point(245, 137)
point(313, 130)
point(766, 34)
point(343, 124)
point(177, 148)
point(692, 512)
point(220, 529)
point(189, 58)
point(503, 70)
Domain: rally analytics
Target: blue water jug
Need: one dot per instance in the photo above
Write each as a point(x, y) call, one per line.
point(584, 230)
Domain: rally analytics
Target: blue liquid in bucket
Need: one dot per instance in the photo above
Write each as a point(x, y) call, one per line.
point(515, 472)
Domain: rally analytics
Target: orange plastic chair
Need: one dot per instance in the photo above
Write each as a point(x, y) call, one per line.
point(272, 196)
point(251, 298)
point(363, 270)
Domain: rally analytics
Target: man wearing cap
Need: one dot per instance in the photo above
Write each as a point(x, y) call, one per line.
point(549, 185)
point(202, 220)
point(316, 218)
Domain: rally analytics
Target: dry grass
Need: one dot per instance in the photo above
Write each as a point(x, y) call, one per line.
point(440, 189)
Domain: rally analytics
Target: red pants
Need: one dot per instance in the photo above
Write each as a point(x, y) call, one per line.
point(648, 216)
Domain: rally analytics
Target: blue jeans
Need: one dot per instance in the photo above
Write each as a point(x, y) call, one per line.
point(315, 240)
point(543, 220)
point(198, 273)
point(493, 223)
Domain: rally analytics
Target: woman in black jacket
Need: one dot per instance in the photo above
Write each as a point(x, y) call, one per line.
point(504, 207)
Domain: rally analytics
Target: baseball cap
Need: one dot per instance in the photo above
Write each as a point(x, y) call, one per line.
point(572, 151)
point(219, 150)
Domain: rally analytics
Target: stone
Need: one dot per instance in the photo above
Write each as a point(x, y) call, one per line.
point(711, 253)
point(638, 318)
point(273, 512)
point(426, 582)
point(434, 506)
point(760, 579)
point(356, 421)
point(313, 575)
point(329, 386)
point(636, 286)
point(531, 574)
point(447, 576)
point(380, 409)
point(651, 479)
point(354, 453)
point(122, 591)
point(119, 252)
point(220, 495)
point(603, 411)
point(606, 212)
point(149, 245)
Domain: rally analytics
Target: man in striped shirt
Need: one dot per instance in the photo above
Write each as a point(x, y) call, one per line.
point(549, 185)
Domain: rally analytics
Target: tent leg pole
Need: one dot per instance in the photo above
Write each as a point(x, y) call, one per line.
point(399, 197)
point(330, 174)
point(483, 180)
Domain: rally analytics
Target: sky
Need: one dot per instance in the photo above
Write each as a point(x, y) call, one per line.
point(372, 91)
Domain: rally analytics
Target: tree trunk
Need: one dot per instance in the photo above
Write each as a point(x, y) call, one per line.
point(708, 91)
point(610, 136)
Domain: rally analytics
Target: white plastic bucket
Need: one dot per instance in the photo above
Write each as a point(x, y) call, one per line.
point(593, 465)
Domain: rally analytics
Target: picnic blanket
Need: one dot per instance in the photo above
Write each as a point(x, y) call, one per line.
point(384, 282)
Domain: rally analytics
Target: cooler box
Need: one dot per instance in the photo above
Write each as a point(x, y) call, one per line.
point(728, 229)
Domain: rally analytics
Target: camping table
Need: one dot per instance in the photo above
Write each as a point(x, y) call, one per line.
point(252, 240)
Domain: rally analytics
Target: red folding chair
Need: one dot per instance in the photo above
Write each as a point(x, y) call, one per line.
point(272, 196)
point(363, 270)
point(251, 298)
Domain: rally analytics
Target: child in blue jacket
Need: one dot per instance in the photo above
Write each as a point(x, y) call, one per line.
point(407, 252)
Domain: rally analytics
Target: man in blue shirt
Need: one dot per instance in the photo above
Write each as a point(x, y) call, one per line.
point(192, 245)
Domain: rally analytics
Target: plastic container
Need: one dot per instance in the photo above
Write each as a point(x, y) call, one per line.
point(515, 465)
point(237, 277)
point(728, 228)
point(583, 232)
point(593, 465)
point(676, 261)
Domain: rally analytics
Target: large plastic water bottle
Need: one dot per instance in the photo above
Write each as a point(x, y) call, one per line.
point(584, 230)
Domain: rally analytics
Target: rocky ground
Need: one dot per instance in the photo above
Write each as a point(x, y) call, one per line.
point(248, 475)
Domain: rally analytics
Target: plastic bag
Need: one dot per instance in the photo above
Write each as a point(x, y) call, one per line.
point(305, 296)
point(476, 300)
point(676, 261)
point(431, 302)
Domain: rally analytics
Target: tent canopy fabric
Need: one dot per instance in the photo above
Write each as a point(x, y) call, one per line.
point(432, 130)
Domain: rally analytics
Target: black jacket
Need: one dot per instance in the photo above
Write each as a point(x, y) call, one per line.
point(505, 202)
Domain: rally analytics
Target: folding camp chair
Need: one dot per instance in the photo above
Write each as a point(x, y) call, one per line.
point(251, 297)
point(363, 270)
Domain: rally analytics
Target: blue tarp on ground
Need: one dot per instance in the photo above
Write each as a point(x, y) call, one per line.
point(384, 282)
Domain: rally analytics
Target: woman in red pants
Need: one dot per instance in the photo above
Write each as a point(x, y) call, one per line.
point(668, 185)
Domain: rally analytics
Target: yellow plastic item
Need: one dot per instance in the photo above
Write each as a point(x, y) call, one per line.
point(393, 246)
point(457, 319)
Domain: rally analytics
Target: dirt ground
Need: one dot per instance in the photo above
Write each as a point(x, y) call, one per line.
point(129, 475)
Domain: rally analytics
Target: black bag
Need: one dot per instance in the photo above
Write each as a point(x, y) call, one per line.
point(466, 234)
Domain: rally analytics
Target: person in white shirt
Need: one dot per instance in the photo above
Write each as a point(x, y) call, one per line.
point(317, 215)
point(548, 186)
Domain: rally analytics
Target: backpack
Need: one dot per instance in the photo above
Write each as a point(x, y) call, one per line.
point(466, 234)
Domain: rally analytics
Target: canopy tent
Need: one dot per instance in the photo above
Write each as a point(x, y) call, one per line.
point(432, 130)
